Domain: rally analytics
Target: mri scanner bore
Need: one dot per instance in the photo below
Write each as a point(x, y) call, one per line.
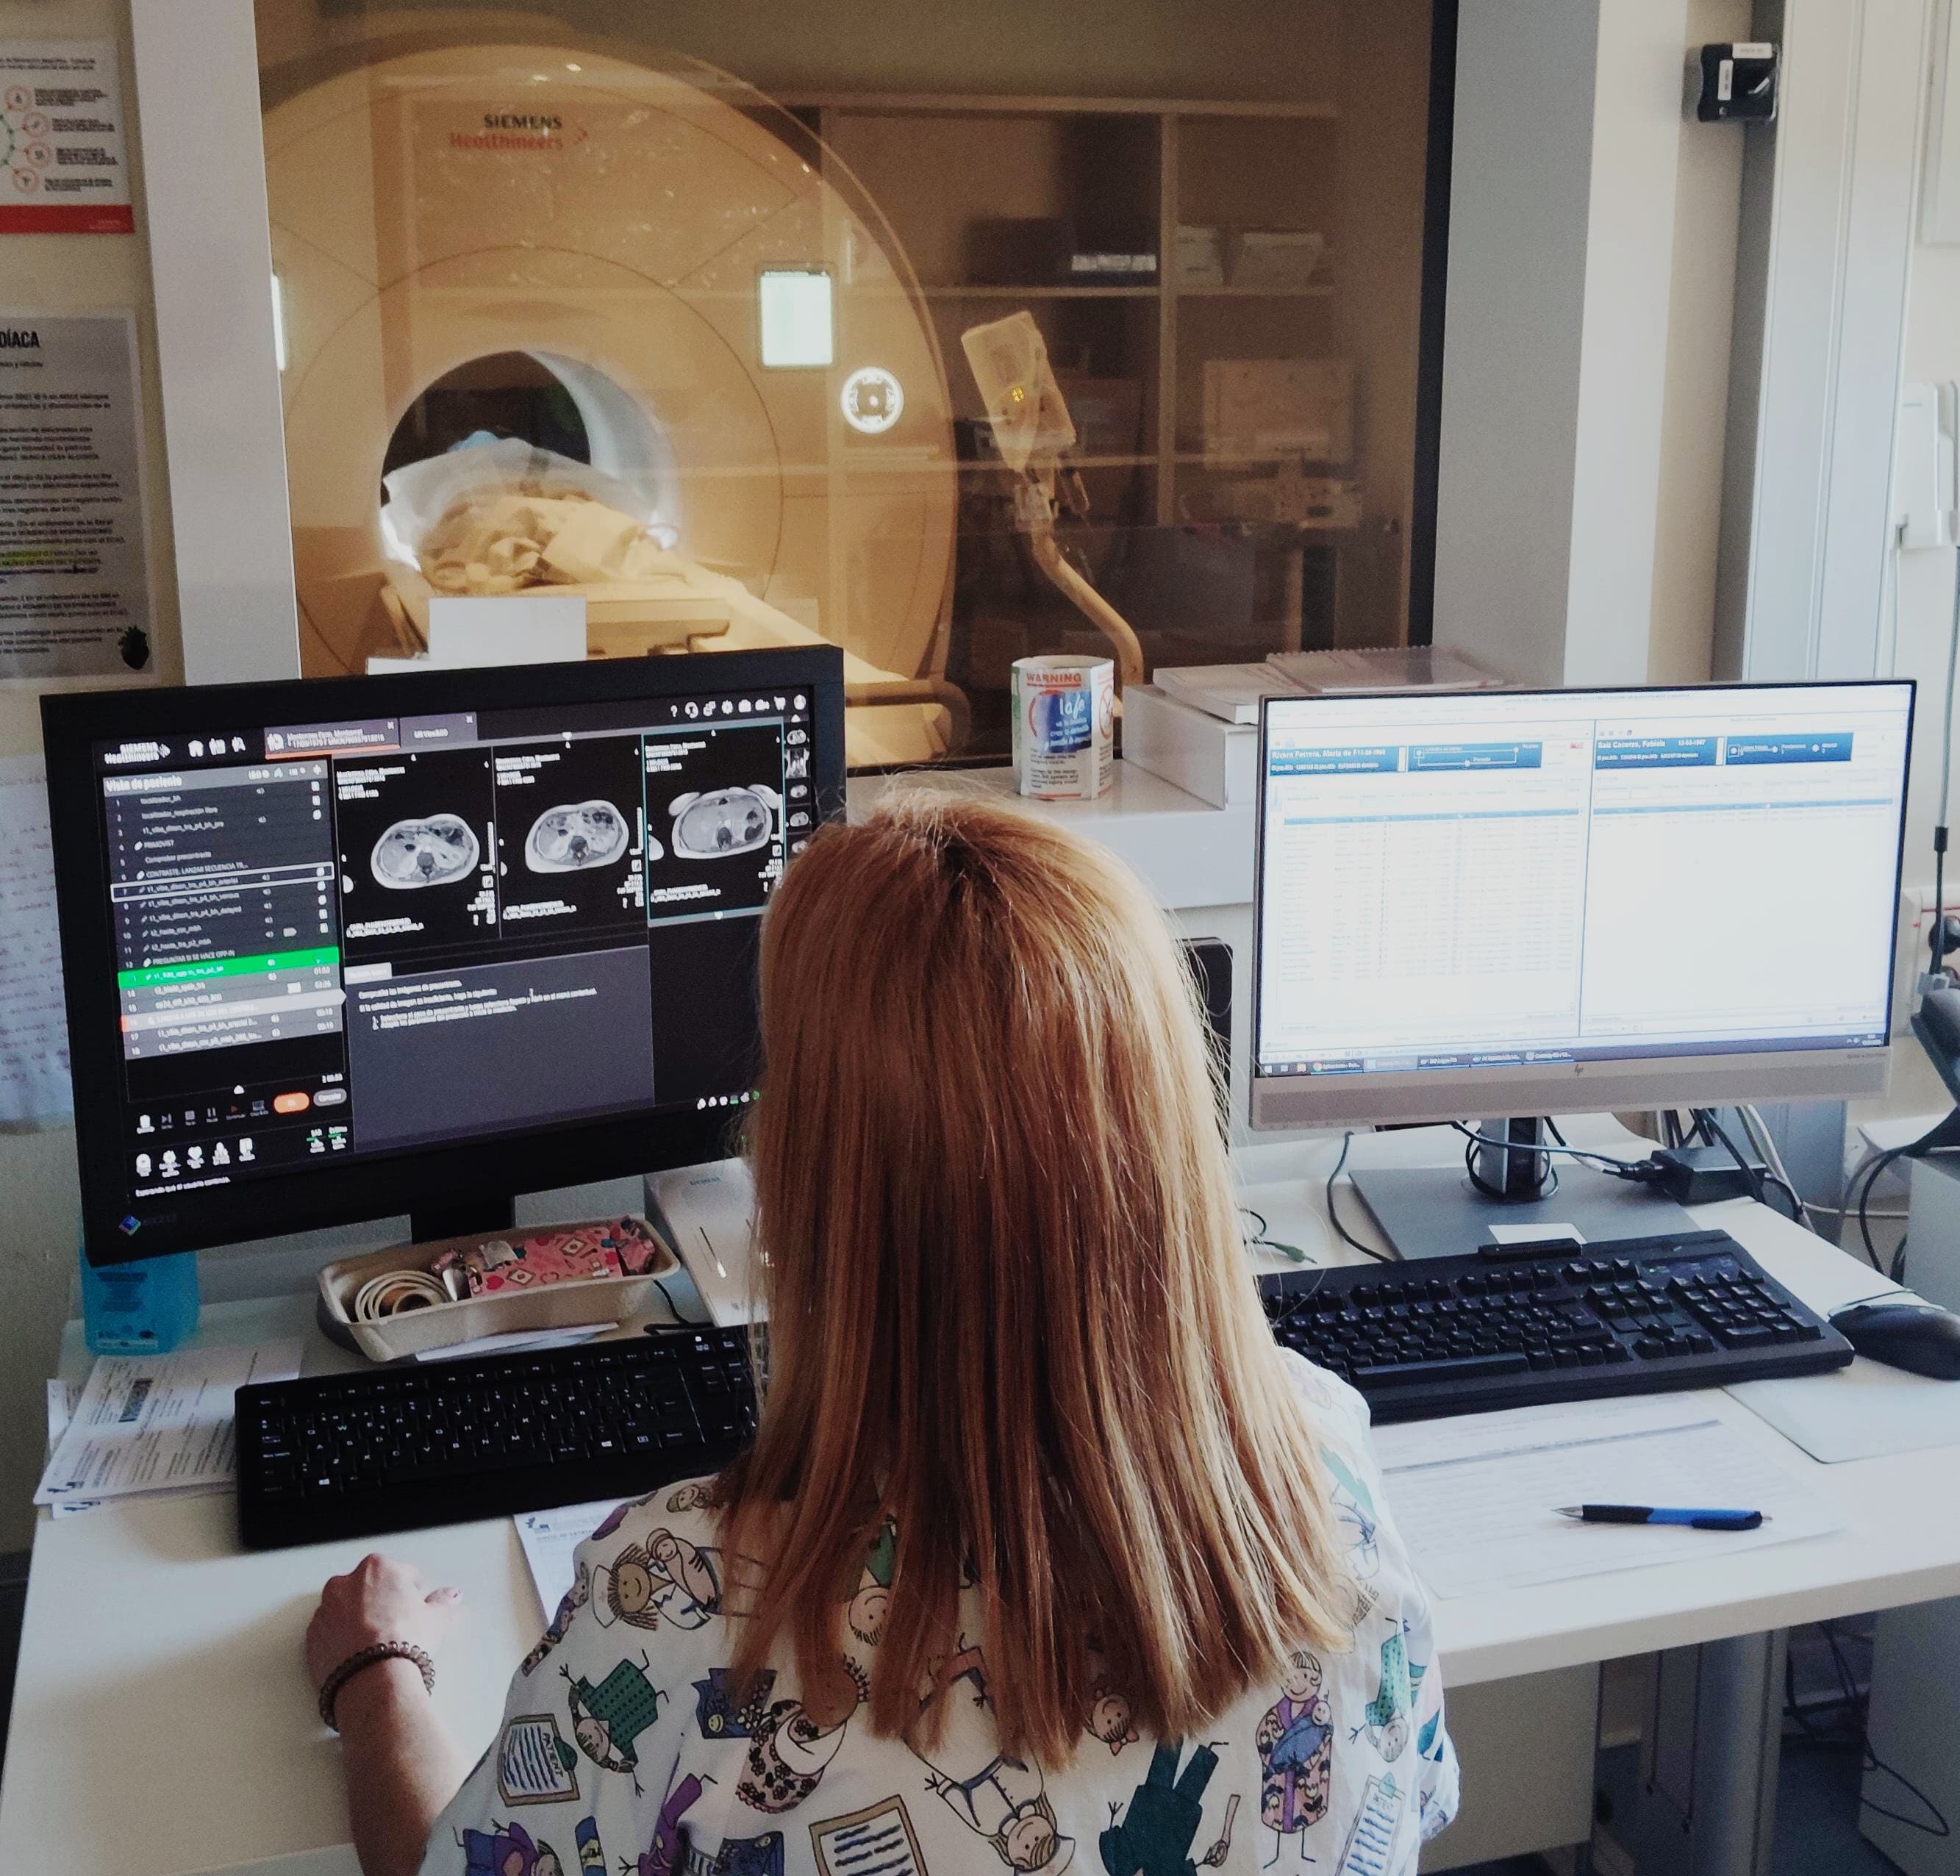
point(601, 299)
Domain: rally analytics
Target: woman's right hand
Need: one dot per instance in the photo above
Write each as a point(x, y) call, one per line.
point(379, 1599)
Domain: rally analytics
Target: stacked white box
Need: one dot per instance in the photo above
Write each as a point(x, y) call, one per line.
point(1205, 756)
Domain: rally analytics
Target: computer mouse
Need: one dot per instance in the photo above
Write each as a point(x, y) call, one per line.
point(1920, 1337)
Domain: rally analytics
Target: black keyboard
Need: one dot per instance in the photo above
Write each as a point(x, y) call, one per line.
point(1500, 1329)
point(356, 1454)
point(440, 1442)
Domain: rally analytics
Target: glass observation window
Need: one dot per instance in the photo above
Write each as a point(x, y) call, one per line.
point(674, 326)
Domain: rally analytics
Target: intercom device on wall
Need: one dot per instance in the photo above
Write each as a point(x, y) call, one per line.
point(1739, 83)
point(1926, 482)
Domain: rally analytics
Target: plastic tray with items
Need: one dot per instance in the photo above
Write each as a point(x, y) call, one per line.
point(410, 1298)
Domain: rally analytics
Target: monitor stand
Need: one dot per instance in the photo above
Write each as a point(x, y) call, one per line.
point(1437, 1212)
point(486, 1216)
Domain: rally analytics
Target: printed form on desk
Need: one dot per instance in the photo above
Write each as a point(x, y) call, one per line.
point(1477, 1499)
point(550, 1540)
point(157, 1422)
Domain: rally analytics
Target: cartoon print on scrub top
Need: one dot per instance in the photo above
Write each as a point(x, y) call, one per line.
point(591, 1852)
point(607, 1718)
point(1296, 1745)
point(1109, 1718)
point(865, 1612)
point(741, 1856)
point(508, 1850)
point(1354, 1511)
point(569, 1605)
point(1159, 1829)
point(696, 1495)
point(1385, 1719)
point(614, 1518)
point(788, 1747)
point(1432, 1743)
point(1001, 1799)
point(665, 1577)
point(665, 1855)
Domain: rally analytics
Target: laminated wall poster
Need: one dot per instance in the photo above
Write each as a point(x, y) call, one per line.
point(63, 169)
point(74, 589)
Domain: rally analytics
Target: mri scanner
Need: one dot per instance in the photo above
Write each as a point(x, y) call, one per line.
point(437, 208)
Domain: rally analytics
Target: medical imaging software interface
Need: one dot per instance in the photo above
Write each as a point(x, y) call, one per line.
point(350, 938)
point(1501, 879)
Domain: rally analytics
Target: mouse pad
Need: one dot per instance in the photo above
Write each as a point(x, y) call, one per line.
point(1861, 1412)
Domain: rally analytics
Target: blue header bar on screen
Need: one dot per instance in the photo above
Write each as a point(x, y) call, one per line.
point(1654, 752)
point(1382, 758)
point(1831, 748)
point(1431, 756)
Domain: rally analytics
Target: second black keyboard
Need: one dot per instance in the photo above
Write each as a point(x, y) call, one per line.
point(351, 1455)
point(1468, 1334)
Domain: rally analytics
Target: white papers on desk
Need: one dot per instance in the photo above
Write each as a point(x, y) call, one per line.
point(33, 1019)
point(549, 1538)
point(158, 1422)
point(64, 1396)
point(1476, 1499)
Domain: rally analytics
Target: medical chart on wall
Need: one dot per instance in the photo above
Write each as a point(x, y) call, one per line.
point(63, 169)
point(34, 1018)
point(75, 589)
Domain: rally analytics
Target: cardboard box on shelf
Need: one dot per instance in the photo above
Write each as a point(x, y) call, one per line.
point(1288, 497)
point(1272, 407)
point(1275, 259)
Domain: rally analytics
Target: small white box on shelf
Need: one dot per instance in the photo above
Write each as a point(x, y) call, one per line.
point(1197, 257)
point(1205, 756)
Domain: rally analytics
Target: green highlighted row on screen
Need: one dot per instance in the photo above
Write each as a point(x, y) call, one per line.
point(252, 964)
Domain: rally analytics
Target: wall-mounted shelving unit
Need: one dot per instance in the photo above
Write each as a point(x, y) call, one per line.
point(1125, 173)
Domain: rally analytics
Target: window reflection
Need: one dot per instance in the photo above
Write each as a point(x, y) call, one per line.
point(721, 332)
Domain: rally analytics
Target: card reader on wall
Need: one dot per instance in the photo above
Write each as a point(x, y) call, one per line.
point(706, 1213)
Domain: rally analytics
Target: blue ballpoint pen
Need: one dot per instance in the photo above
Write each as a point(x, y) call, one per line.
point(1699, 1517)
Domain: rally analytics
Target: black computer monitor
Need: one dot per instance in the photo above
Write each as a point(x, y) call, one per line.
point(345, 948)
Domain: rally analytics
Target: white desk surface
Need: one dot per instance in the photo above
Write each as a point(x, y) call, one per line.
point(162, 1723)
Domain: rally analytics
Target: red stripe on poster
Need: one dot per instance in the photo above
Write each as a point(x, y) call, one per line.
point(67, 218)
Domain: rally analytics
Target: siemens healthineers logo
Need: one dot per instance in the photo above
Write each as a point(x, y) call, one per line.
point(540, 133)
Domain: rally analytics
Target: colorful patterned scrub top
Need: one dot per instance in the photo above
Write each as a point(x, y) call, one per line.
point(625, 1749)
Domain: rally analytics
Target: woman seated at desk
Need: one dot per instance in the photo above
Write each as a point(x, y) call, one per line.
point(1045, 1554)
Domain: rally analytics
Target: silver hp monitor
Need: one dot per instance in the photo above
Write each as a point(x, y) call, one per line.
point(1526, 902)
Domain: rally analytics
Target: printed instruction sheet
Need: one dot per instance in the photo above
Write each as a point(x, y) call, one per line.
point(74, 580)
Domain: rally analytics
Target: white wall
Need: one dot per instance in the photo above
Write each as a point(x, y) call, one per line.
point(1925, 579)
point(50, 273)
point(1593, 246)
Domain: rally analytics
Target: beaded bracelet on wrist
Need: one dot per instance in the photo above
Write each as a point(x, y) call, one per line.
point(329, 1688)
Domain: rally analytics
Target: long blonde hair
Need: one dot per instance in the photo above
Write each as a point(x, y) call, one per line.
point(1009, 1306)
